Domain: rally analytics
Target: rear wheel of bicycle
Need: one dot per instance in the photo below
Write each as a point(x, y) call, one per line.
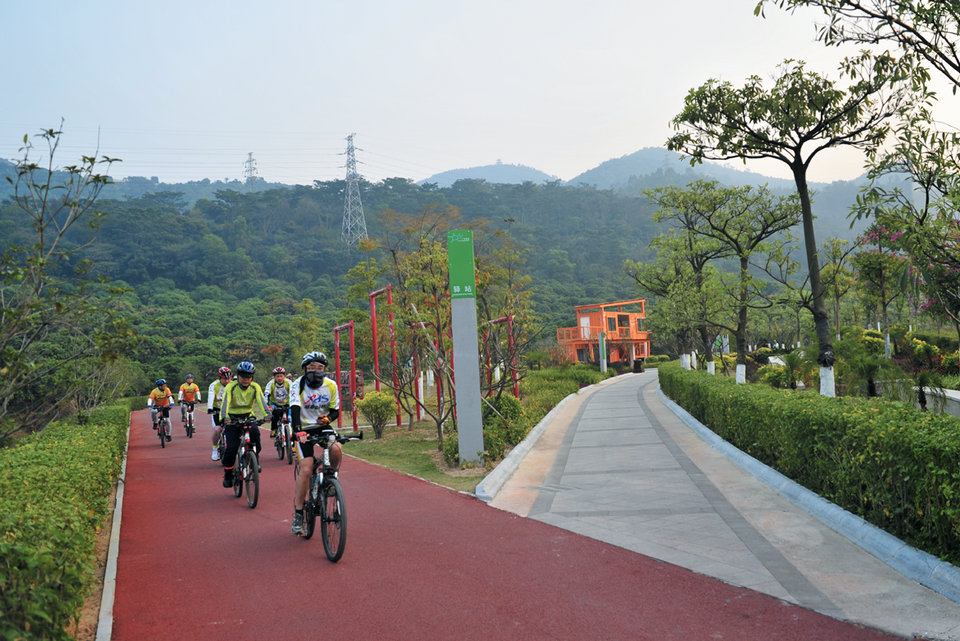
point(251, 479)
point(333, 520)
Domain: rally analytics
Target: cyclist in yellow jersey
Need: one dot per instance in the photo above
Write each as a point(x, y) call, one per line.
point(241, 398)
point(314, 402)
point(276, 394)
point(214, 400)
point(189, 394)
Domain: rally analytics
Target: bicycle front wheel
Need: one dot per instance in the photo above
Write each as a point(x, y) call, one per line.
point(238, 478)
point(251, 479)
point(281, 444)
point(333, 519)
point(288, 439)
point(163, 437)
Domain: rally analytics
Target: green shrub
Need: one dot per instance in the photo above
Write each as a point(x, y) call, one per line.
point(54, 497)
point(890, 464)
point(762, 355)
point(774, 376)
point(540, 392)
point(378, 408)
point(874, 344)
point(503, 426)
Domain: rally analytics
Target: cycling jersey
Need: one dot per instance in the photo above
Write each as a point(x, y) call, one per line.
point(278, 395)
point(314, 402)
point(215, 395)
point(160, 397)
point(189, 393)
point(239, 401)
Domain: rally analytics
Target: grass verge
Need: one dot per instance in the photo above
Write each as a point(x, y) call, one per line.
point(414, 453)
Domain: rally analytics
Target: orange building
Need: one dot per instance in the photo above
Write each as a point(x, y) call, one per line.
point(624, 334)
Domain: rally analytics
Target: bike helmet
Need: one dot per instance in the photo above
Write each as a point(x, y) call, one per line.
point(279, 370)
point(224, 372)
point(161, 382)
point(314, 357)
point(188, 376)
point(245, 367)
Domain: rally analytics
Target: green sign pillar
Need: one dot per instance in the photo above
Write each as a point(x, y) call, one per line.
point(466, 354)
point(602, 349)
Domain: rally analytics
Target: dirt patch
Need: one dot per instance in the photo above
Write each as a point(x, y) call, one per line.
point(86, 627)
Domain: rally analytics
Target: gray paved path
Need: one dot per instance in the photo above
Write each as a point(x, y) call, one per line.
point(617, 465)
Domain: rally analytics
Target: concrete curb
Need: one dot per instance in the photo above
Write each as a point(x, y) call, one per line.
point(492, 482)
point(105, 621)
point(924, 568)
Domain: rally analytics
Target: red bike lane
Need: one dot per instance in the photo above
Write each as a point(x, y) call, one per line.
point(421, 562)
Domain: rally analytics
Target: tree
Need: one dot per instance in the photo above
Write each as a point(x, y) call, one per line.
point(800, 116)
point(879, 271)
point(914, 191)
point(55, 332)
point(686, 276)
point(928, 29)
point(738, 221)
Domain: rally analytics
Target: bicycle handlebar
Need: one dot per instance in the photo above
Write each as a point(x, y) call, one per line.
point(246, 422)
point(324, 435)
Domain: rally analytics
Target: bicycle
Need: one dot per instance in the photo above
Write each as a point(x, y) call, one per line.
point(161, 419)
point(325, 496)
point(284, 438)
point(246, 472)
point(188, 417)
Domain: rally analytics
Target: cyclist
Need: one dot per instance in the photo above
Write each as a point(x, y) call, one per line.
point(276, 395)
point(214, 400)
point(241, 398)
point(189, 394)
point(160, 401)
point(314, 402)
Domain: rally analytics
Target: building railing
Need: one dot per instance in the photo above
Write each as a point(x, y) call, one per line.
point(592, 333)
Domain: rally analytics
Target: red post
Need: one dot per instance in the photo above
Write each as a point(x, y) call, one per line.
point(393, 343)
point(353, 371)
point(376, 348)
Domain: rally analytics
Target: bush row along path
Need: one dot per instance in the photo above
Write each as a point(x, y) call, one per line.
point(421, 562)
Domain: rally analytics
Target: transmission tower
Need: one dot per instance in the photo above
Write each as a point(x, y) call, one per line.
point(354, 226)
point(249, 169)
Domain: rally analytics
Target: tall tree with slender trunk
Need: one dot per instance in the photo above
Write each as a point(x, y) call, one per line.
point(801, 115)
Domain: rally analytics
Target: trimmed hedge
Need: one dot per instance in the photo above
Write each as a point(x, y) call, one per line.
point(55, 491)
point(892, 465)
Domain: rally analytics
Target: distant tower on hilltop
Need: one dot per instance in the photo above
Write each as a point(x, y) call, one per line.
point(249, 169)
point(354, 226)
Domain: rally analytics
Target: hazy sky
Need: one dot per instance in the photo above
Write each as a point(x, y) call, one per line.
point(183, 90)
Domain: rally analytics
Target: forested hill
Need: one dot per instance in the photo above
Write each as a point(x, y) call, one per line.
point(199, 271)
point(222, 278)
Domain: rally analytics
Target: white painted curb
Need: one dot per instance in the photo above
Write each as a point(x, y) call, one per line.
point(105, 622)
